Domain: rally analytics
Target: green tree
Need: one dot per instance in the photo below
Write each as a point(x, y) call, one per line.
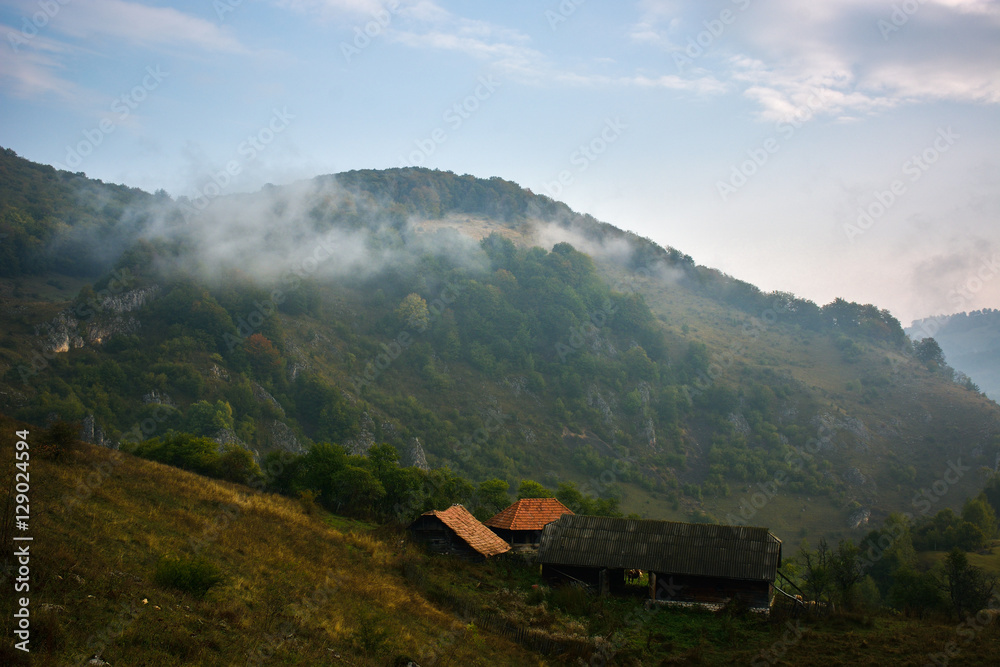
point(237, 465)
point(264, 358)
point(357, 490)
point(969, 589)
point(204, 418)
point(492, 496)
point(915, 592)
point(412, 311)
point(846, 568)
point(816, 569)
point(929, 352)
point(318, 468)
point(979, 513)
point(531, 489)
point(59, 438)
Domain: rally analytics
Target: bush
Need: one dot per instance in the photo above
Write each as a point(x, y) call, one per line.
point(237, 465)
point(190, 575)
point(57, 439)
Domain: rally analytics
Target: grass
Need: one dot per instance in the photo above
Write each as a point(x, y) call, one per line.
point(988, 559)
point(287, 588)
point(290, 588)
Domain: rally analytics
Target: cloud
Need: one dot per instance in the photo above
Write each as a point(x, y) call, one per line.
point(39, 62)
point(34, 69)
point(839, 58)
point(144, 26)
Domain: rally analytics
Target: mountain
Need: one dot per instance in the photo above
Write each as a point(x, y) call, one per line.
point(970, 342)
point(474, 327)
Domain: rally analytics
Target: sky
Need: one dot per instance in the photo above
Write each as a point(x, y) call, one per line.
point(847, 148)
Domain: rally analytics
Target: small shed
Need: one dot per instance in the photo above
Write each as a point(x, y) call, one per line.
point(456, 532)
point(687, 562)
point(521, 524)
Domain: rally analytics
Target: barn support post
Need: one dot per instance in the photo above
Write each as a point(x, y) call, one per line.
point(652, 585)
point(603, 585)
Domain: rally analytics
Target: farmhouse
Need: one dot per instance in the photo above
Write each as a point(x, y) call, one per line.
point(456, 532)
point(686, 562)
point(521, 524)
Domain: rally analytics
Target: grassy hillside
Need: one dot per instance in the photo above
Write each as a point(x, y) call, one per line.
point(294, 585)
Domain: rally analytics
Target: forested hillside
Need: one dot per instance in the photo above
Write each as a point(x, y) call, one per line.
point(481, 332)
point(970, 342)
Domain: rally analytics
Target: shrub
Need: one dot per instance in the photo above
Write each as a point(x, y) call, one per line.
point(190, 575)
point(57, 439)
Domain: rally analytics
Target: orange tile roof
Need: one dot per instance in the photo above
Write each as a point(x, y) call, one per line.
point(468, 527)
point(529, 514)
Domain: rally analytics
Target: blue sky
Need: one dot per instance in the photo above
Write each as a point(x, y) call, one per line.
point(749, 134)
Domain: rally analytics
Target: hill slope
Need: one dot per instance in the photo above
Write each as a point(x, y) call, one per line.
point(472, 324)
point(971, 343)
point(297, 586)
point(292, 588)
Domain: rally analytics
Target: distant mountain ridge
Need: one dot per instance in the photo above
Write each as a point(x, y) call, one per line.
point(971, 343)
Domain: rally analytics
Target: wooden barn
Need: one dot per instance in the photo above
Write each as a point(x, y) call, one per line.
point(687, 562)
point(521, 524)
point(456, 532)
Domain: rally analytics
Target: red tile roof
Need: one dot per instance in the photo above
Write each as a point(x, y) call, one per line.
point(529, 514)
point(468, 527)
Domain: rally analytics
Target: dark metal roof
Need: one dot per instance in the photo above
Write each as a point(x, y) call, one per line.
point(700, 549)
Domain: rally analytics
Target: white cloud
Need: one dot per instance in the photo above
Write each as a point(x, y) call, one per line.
point(40, 62)
point(33, 70)
point(144, 26)
point(841, 57)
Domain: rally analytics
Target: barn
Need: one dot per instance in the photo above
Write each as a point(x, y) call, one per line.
point(687, 562)
point(456, 532)
point(521, 524)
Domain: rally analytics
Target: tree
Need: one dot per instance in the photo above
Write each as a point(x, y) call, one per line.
point(264, 358)
point(58, 438)
point(968, 587)
point(914, 592)
point(846, 568)
point(492, 496)
point(816, 567)
point(412, 310)
point(357, 489)
point(572, 497)
point(979, 513)
point(532, 489)
point(928, 351)
point(203, 418)
point(318, 468)
point(237, 465)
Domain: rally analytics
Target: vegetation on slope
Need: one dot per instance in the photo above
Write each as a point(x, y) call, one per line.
point(667, 387)
point(142, 563)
